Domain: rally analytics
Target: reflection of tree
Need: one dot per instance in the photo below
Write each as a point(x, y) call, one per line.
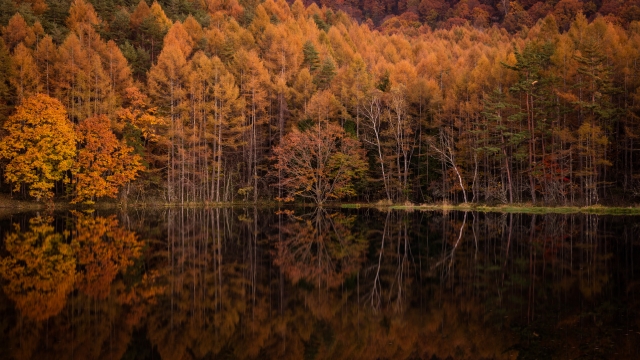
point(224, 299)
point(593, 274)
point(205, 293)
point(39, 270)
point(392, 271)
point(452, 285)
point(319, 248)
point(103, 249)
point(98, 321)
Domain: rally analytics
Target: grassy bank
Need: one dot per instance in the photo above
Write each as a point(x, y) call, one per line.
point(9, 205)
point(510, 208)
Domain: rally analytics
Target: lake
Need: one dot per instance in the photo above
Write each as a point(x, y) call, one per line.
point(307, 283)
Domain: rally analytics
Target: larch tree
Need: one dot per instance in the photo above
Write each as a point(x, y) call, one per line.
point(82, 82)
point(6, 91)
point(17, 31)
point(221, 107)
point(26, 79)
point(140, 13)
point(46, 55)
point(167, 87)
point(254, 83)
point(82, 17)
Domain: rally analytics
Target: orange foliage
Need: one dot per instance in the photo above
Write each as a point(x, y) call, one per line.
point(104, 164)
point(320, 163)
point(17, 31)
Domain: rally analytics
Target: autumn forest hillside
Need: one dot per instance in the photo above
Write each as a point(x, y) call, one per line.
point(202, 101)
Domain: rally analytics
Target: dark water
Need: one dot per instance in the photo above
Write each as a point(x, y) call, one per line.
point(333, 284)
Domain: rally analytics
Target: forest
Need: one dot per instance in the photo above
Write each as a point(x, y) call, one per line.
point(212, 101)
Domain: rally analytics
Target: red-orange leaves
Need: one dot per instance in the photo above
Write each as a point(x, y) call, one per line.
point(319, 163)
point(104, 164)
point(103, 249)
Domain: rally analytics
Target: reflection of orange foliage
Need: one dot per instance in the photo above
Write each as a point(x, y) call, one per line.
point(103, 249)
point(40, 269)
point(175, 330)
point(41, 278)
point(321, 251)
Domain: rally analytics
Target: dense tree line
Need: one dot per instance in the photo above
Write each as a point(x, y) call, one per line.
point(226, 101)
point(513, 15)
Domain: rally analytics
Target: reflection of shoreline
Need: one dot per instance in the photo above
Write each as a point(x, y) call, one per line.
point(515, 208)
point(256, 284)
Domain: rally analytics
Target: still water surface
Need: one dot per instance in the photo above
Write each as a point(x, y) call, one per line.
point(258, 283)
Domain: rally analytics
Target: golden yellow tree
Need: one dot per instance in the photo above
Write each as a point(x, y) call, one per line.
point(40, 146)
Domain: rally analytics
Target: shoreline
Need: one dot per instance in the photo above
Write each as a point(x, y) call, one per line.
point(522, 208)
point(9, 206)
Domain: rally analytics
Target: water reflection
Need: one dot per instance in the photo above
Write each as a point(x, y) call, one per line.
point(318, 284)
point(39, 269)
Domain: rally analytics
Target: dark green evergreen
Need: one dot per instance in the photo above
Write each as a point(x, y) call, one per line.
point(311, 57)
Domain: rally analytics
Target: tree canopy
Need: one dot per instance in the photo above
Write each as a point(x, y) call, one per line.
point(40, 146)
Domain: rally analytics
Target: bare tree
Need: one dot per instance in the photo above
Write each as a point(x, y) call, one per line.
point(445, 149)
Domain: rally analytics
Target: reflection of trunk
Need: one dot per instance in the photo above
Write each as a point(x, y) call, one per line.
point(506, 255)
point(450, 257)
point(402, 269)
point(455, 247)
point(376, 290)
point(254, 259)
point(532, 271)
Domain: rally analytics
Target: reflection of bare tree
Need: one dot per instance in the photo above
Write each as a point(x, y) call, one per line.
point(390, 273)
point(448, 257)
point(376, 287)
point(403, 274)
